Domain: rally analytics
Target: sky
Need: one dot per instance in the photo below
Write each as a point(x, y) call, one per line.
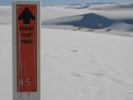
point(66, 2)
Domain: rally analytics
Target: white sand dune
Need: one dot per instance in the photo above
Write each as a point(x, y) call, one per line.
point(104, 7)
point(117, 20)
point(5, 15)
point(58, 15)
point(112, 7)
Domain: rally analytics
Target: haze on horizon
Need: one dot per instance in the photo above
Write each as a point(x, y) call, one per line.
point(65, 2)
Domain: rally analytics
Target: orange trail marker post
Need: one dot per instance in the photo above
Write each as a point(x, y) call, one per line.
point(26, 49)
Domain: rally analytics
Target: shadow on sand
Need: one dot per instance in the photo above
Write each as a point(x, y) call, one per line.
point(90, 20)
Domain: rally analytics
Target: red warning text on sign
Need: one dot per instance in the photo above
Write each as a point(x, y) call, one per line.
point(26, 48)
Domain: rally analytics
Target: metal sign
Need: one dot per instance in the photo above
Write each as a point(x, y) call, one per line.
point(26, 50)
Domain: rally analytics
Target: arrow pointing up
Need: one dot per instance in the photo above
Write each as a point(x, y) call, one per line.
point(26, 15)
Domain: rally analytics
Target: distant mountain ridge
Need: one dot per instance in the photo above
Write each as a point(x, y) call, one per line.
point(93, 3)
point(102, 3)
